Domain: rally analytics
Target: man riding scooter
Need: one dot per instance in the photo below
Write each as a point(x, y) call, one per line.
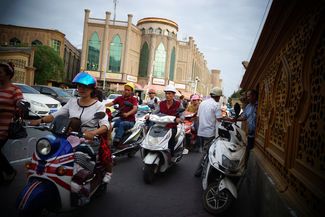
point(170, 106)
point(127, 119)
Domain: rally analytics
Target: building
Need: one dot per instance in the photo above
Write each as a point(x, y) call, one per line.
point(148, 53)
point(19, 36)
point(23, 59)
point(288, 70)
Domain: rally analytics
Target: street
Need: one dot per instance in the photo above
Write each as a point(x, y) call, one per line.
point(176, 193)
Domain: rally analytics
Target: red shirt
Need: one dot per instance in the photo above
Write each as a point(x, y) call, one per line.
point(8, 99)
point(169, 111)
point(123, 108)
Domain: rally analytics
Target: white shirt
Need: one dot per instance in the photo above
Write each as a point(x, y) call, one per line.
point(209, 111)
point(84, 113)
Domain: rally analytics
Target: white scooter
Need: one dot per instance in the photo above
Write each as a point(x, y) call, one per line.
point(224, 167)
point(155, 153)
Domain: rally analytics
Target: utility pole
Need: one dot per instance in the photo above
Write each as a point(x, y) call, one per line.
point(115, 2)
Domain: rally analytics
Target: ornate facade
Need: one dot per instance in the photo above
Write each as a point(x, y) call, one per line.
point(147, 53)
point(288, 70)
point(19, 36)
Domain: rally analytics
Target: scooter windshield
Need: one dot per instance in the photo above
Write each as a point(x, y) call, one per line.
point(158, 131)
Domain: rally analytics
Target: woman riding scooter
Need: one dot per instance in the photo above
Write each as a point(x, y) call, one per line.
point(84, 109)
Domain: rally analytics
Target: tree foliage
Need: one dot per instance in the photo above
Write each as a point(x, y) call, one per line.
point(49, 65)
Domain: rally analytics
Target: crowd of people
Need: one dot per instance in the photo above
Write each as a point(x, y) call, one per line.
point(209, 113)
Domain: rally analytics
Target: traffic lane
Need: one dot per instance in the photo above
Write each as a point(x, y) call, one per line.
point(176, 193)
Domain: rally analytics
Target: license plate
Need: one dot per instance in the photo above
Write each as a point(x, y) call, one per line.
point(52, 111)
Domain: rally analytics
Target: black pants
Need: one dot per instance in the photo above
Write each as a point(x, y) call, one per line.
point(4, 163)
point(172, 142)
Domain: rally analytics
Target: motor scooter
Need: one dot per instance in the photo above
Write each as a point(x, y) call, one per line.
point(63, 174)
point(190, 132)
point(224, 166)
point(131, 139)
point(154, 148)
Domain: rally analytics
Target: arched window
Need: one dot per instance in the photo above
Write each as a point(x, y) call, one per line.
point(158, 31)
point(150, 30)
point(93, 52)
point(143, 66)
point(36, 43)
point(160, 61)
point(115, 52)
point(14, 41)
point(172, 65)
point(143, 30)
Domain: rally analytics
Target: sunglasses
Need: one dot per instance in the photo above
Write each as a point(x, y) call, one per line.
point(151, 93)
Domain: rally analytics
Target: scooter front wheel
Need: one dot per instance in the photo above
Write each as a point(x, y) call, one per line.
point(149, 173)
point(215, 201)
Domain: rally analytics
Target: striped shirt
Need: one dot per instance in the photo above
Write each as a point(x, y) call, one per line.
point(8, 99)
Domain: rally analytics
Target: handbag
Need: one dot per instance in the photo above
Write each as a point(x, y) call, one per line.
point(16, 129)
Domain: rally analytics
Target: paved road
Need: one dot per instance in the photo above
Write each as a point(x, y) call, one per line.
point(176, 193)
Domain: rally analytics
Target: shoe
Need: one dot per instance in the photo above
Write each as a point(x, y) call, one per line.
point(107, 178)
point(9, 178)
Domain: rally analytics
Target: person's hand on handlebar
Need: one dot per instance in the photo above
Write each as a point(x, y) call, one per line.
point(89, 135)
point(35, 122)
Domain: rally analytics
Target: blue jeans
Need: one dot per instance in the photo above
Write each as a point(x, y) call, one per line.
point(121, 126)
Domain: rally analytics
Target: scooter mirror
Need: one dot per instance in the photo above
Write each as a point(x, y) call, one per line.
point(237, 109)
point(116, 106)
point(99, 115)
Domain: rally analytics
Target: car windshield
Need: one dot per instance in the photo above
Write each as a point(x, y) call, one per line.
point(27, 89)
point(61, 92)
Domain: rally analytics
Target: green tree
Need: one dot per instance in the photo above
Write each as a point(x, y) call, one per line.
point(49, 65)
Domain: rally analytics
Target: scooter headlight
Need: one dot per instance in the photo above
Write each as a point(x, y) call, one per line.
point(43, 147)
point(229, 164)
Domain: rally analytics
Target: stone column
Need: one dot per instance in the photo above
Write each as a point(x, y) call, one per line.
point(83, 63)
point(126, 48)
point(104, 56)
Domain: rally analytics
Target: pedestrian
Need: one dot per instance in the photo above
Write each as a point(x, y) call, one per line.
point(224, 110)
point(183, 101)
point(249, 115)
point(209, 117)
point(153, 100)
point(10, 96)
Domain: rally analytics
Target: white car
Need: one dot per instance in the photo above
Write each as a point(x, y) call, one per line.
point(111, 97)
point(40, 105)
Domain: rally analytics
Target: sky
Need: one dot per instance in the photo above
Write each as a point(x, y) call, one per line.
point(225, 31)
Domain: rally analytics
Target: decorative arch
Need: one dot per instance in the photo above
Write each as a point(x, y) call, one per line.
point(115, 52)
point(37, 43)
point(172, 65)
point(144, 55)
point(93, 52)
point(14, 41)
point(160, 62)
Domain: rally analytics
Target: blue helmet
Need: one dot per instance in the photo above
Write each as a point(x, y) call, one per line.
point(85, 79)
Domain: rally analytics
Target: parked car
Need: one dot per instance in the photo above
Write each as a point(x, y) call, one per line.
point(40, 104)
point(54, 92)
point(73, 92)
point(111, 97)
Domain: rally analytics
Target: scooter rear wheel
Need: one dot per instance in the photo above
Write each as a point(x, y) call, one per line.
point(215, 201)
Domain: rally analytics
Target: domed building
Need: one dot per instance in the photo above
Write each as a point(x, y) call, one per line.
point(147, 53)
